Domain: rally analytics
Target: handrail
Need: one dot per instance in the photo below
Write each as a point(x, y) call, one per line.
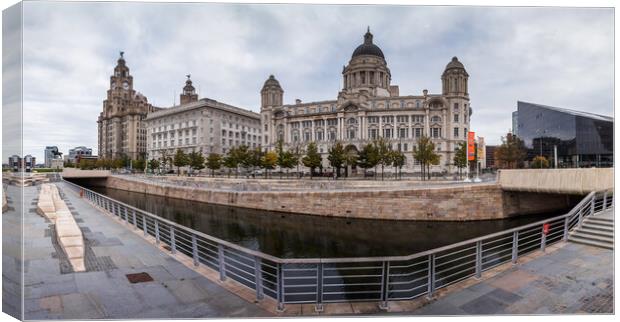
point(269, 279)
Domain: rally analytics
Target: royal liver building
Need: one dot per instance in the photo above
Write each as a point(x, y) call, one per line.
point(369, 107)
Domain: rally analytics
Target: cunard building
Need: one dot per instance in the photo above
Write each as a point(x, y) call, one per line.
point(369, 107)
point(122, 131)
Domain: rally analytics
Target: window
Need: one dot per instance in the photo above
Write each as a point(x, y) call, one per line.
point(387, 133)
point(456, 106)
point(373, 119)
point(352, 121)
point(456, 117)
point(436, 132)
point(332, 135)
point(373, 133)
point(456, 132)
point(319, 135)
point(387, 119)
point(417, 104)
point(332, 122)
point(402, 118)
point(307, 136)
point(417, 132)
point(417, 118)
point(405, 149)
point(351, 134)
point(403, 132)
point(436, 119)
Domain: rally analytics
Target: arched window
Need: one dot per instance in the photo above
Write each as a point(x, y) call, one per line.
point(352, 121)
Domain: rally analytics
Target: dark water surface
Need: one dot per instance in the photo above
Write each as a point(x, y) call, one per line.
point(296, 236)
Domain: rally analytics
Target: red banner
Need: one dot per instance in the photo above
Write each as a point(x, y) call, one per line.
point(471, 146)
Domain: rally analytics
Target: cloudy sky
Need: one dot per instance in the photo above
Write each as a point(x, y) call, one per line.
point(553, 56)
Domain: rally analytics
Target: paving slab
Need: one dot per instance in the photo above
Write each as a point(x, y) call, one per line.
point(104, 292)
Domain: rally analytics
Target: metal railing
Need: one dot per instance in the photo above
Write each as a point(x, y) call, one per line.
point(328, 280)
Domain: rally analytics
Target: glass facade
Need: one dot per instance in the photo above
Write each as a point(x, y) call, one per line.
point(581, 139)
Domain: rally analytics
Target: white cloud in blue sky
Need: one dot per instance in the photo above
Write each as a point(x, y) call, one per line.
point(553, 56)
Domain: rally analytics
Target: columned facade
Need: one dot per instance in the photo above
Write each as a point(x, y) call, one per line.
point(369, 107)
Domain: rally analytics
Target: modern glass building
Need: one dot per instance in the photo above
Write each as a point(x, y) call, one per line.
point(581, 139)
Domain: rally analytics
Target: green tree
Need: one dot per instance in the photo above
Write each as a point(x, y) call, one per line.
point(312, 159)
point(214, 162)
point(539, 162)
point(231, 160)
point(384, 154)
point(154, 164)
point(117, 163)
point(460, 157)
point(368, 157)
point(244, 157)
point(165, 160)
point(180, 160)
point(398, 161)
point(196, 161)
point(138, 165)
point(424, 153)
point(254, 159)
point(336, 156)
point(269, 161)
point(350, 158)
point(511, 153)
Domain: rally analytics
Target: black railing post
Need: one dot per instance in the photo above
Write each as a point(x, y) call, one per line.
point(280, 289)
point(220, 261)
point(431, 276)
point(195, 250)
point(173, 243)
point(258, 277)
point(385, 285)
point(515, 246)
point(565, 237)
point(319, 288)
point(478, 259)
point(543, 239)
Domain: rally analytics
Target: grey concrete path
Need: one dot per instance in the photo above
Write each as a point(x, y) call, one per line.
point(572, 279)
point(52, 291)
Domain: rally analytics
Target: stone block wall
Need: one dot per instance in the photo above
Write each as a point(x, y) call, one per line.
point(476, 202)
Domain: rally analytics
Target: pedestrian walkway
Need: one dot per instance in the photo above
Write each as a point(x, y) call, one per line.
point(571, 279)
point(171, 290)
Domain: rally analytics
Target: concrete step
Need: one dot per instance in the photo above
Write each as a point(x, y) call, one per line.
point(590, 231)
point(602, 220)
point(595, 226)
point(590, 242)
point(596, 238)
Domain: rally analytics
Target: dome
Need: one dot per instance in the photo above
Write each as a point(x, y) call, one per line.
point(271, 81)
point(368, 48)
point(455, 63)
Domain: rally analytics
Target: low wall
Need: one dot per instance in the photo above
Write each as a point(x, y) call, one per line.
point(573, 181)
point(476, 202)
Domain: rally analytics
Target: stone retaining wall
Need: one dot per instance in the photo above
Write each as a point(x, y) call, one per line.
point(476, 202)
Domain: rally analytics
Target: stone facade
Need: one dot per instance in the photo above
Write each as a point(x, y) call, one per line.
point(479, 202)
point(369, 107)
point(122, 132)
point(203, 125)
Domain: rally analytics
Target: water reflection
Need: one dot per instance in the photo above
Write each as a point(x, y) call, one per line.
point(295, 236)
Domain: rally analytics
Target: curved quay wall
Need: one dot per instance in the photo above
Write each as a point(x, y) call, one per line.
point(459, 203)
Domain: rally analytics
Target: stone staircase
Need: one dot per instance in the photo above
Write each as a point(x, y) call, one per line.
point(596, 230)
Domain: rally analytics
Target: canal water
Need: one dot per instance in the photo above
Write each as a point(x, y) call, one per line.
point(303, 236)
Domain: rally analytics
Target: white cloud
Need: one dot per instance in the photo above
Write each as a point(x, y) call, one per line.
point(553, 56)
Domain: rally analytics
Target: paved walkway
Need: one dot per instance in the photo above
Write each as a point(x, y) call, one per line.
point(569, 278)
point(572, 279)
point(52, 291)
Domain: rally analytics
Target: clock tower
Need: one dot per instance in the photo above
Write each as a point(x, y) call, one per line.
point(121, 130)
